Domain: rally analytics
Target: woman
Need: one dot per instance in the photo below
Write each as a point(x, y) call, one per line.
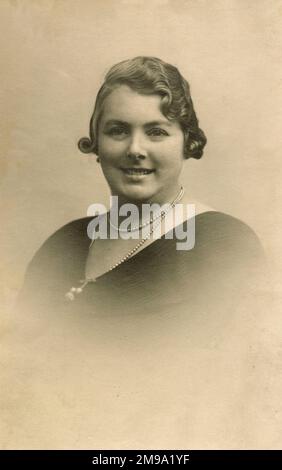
point(142, 130)
point(155, 347)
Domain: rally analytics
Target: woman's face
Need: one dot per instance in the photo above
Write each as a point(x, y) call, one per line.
point(132, 124)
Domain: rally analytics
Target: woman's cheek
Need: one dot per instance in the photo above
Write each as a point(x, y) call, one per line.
point(111, 149)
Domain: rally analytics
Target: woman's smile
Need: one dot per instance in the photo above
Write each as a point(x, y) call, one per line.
point(140, 150)
point(137, 174)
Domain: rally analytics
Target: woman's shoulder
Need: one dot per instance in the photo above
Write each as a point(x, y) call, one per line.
point(67, 241)
point(216, 235)
point(222, 225)
point(74, 228)
point(215, 226)
point(223, 235)
point(71, 233)
point(60, 255)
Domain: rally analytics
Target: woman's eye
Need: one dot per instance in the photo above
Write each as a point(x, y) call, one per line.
point(157, 132)
point(117, 132)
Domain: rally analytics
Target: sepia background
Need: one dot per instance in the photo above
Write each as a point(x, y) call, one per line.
point(54, 55)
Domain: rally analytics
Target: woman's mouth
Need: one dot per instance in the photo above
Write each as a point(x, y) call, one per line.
point(137, 171)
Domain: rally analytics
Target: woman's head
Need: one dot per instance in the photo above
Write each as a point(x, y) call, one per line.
point(143, 127)
point(150, 75)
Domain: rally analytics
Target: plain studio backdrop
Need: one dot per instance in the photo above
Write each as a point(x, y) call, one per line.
point(54, 56)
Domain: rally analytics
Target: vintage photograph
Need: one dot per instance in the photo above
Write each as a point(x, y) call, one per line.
point(140, 189)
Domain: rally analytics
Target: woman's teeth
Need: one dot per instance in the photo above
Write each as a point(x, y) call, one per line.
point(137, 171)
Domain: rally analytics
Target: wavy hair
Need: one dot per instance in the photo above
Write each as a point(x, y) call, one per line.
point(150, 75)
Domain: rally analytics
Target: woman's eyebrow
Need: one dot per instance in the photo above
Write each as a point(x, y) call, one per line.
point(119, 122)
point(158, 123)
point(110, 122)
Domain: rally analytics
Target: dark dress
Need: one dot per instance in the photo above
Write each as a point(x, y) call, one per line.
point(162, 352)
point(221, 268)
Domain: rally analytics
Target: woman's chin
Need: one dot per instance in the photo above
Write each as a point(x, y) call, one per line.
point(138, 194)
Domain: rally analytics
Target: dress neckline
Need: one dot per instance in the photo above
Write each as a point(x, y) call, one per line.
point(144, 250)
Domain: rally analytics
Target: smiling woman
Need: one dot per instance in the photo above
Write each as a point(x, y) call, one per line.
point(139, 338)
point(142, 130)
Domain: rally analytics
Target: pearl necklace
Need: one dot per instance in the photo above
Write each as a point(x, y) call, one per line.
point(70, 295)
point(139, 227)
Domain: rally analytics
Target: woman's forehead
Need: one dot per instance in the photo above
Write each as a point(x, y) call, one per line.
point(125, 104)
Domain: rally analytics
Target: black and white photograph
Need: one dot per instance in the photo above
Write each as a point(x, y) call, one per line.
point(140, 238)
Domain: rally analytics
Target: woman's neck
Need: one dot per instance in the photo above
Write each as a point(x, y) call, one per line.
point(158, 199)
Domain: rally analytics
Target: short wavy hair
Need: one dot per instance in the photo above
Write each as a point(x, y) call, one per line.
point(150, 75)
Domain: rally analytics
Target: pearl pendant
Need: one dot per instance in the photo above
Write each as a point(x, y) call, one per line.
point(71, 294)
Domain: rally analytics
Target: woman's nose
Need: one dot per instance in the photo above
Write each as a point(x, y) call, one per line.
point(135, 156)
point(136, 148)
